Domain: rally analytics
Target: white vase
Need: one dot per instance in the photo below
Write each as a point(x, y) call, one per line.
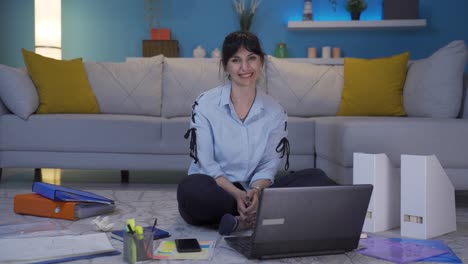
point(199, 52)
point(216, 53)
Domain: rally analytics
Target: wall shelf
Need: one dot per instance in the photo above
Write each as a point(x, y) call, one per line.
point(325, 61)
point(357, 24)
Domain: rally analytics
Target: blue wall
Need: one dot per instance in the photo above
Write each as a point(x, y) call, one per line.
point(110, 30)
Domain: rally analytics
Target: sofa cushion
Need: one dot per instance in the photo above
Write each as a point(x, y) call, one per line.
point(127, 88)
point(301, 135)
point(337, 138)
point(305, 89)
point(434, 85)
point(81, 133)
point(464, 108)
point(17, 91)
point(3, 109)
point(62, 85)
point(184, 79)
point(173, 131)
point(374, 87)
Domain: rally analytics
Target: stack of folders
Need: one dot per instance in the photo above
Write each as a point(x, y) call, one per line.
point(56, 201)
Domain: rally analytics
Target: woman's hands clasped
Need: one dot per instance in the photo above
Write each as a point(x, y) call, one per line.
point(247, 204)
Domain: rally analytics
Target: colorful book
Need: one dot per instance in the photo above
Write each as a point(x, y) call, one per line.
point(158, 233)
point(37, 205)
point(60, 193)
point(167, 250)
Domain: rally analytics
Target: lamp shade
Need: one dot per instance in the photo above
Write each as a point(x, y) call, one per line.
point(48, 28)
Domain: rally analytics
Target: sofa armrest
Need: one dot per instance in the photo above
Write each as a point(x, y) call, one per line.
point(464, 108)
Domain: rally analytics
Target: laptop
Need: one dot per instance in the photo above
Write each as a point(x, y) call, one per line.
point(305, 221)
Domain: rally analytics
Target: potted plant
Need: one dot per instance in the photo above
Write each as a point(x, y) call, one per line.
point(355, 7)
point(246, 15)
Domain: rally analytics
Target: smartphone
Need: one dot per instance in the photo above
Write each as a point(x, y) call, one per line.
point(187, 245)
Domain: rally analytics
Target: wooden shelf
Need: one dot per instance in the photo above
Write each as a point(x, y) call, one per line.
point(169, 48)
point(357, 24)
point(328, 61)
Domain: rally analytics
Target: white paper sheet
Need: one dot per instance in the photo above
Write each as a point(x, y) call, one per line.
point(27, 250)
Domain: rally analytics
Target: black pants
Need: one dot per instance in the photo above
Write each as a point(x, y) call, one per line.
point(203, 202)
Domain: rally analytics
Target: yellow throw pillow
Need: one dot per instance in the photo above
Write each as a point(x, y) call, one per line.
point(62, 85)
point(374, 87)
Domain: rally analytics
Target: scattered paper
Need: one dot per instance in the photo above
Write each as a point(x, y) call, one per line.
point(29, 250)
point(102, 224)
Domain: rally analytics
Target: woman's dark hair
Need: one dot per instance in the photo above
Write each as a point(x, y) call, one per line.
point(235, 40)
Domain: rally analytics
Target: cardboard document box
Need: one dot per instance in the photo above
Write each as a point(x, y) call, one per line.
point(383, 212)
point(427, 198)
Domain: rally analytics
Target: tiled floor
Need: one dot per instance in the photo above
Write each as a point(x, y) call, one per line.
point(152, 194)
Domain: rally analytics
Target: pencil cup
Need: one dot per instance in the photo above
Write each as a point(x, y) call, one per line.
point(138, 247)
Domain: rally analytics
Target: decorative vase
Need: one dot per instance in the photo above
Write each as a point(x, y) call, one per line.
point(199, 52)
point(216, 53)
point(355, 15)
point(280, 51)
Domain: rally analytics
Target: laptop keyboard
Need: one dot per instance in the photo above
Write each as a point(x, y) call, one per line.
point(242, 244)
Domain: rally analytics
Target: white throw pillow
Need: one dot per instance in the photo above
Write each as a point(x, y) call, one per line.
point(433, 86)
point(17, 91)
point(184, 79)
point(305, 89)
point(127, 88)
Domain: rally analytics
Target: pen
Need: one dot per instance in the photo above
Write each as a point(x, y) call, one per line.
point(155, 223)
point(130, 230)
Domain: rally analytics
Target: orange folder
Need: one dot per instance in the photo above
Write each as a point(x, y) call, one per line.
point(34, 204)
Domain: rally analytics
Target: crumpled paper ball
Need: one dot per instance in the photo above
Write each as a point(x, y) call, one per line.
point(102, 224)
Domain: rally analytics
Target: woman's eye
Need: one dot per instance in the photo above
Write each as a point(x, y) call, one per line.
point(234, 60)
point(253, 58)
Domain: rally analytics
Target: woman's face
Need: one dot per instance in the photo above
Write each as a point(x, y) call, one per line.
point(244, 68)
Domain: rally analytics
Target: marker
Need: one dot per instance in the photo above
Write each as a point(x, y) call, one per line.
point(131, 247)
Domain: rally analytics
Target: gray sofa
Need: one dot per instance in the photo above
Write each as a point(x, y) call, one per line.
point(145, 108)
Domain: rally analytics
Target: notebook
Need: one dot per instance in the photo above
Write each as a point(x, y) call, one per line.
point(303, 221)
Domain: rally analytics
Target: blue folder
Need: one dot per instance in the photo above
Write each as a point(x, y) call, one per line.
point(449, 257)
point(60, 193)
point(112, 253)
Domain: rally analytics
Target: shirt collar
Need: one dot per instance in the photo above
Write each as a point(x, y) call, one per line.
point(226, 98)
point(225, 95)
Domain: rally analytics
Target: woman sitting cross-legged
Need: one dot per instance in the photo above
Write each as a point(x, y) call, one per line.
point(237, 139)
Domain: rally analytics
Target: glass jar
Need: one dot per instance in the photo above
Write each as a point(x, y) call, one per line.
point(280, 51)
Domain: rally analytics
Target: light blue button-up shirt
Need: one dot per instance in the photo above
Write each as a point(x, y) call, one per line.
point(226, 146)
